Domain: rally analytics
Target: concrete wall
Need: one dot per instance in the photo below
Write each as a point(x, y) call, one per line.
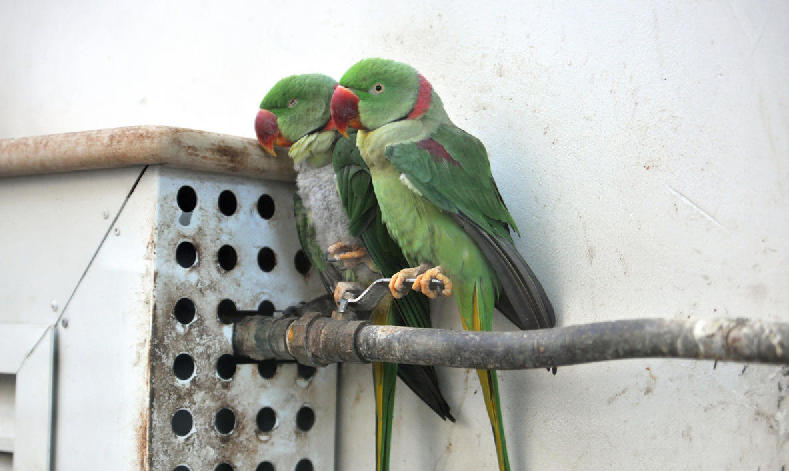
point(643, 148)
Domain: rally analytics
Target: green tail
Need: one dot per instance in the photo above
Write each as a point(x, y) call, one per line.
point(476, 309)
point(490, 389)
point(384, 382)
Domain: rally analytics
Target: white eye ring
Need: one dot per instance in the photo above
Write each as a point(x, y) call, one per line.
point(377, 89)
point(292, 102)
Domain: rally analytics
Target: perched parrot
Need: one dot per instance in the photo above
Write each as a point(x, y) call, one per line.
point(439, 201)
point(336, 209)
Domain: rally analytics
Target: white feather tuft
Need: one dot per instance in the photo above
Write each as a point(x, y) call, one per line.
point(407, 182)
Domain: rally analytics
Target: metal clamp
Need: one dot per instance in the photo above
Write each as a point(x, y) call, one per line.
point(379, 288)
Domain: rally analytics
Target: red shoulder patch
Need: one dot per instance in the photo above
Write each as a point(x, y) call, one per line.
point(422, 99)
point(330, 126)
point(436, 150)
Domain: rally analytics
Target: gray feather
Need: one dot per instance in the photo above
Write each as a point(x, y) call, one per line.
point(317, 188)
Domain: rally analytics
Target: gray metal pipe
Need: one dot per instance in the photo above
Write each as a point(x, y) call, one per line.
point(321, 340)
point(716, 339)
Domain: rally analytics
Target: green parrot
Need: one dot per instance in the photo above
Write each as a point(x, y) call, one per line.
point(336, 211)
point(439, 201)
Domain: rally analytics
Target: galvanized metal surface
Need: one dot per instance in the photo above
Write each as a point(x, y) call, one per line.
point(57, 229)
point(257, 403)
point(7, 422)
point(141, 145)
point(16, 343)
point(52, 226)
point(104, 334)
point(34, 407)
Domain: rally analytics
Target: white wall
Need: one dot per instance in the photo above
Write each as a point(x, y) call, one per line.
point(642, 147)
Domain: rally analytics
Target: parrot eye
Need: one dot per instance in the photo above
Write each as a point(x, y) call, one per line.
point(377, 89)
point(292, 102)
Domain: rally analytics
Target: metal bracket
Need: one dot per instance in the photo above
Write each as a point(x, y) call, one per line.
point(379, 288)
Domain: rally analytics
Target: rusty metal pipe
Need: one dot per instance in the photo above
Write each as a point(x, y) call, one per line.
point(742, 340)
point(142, 145)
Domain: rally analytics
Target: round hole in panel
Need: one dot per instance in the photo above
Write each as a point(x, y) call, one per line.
point(227, 203)
point(184, 311)
point(186, 254)
point(182, 422)
point(226, 311)
point(265, 466)
point(266, 419)
point(305, 372)
point(301, 262)
point(225, 421)
point(186, 199)
point(304, 465)
point(266, 308)
point(223, 467)
point(267, 259)
point(305, 418)
point(182, 467)
point(226, 366)
point(183, 366)
point(267, 368)
point(266, 206)
point(227, 257)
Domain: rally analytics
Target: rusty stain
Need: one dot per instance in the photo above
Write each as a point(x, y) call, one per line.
point(650, 387)
point(142, 440)
point(357, 398)
point(231, 153)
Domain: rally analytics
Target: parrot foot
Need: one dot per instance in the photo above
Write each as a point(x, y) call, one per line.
point(397, 285)
point(349, 255)
point(340, 247)
point(346, 289)
point(422, 283)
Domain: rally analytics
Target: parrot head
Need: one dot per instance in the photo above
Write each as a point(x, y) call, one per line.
point(294, 107)
point(375, 92)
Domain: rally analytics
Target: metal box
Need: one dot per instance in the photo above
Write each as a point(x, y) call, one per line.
point(140, 375)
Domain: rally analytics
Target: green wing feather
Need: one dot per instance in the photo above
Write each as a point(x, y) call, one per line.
point(328, 273)
point(354, 185)
point(451, 169)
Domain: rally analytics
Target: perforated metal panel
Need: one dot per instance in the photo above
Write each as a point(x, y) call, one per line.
point(226, 243)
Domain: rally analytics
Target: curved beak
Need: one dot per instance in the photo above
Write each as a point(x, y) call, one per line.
point(345, 110)
point(268, 132)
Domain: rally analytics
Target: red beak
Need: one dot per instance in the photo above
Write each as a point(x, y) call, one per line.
point(268, 132)
point(345, 110)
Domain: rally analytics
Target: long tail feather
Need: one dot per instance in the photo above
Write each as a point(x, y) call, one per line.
point(384, 380)
point(490, 389)
point(480, 319)
point(384, 383)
